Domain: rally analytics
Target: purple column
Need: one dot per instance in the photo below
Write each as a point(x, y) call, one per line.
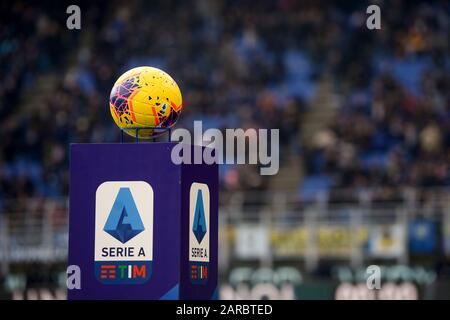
point(140, 226)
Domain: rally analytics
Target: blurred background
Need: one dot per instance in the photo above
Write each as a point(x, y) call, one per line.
point(364, 119)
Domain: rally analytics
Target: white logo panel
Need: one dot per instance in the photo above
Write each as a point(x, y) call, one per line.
point(199, 222)
point(124, 221)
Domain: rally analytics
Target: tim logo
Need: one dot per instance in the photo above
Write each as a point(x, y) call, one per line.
point(199, 213)
point(123, 232)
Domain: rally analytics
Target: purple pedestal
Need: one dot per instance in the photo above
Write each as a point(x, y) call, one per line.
point(142, 227)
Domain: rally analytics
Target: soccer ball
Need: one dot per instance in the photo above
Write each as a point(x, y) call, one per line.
point(145, 97)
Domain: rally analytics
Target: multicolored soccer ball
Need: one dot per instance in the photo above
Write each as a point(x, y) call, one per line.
point(145, 97)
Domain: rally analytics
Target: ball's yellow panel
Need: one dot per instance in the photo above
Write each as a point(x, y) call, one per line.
point(145, 97)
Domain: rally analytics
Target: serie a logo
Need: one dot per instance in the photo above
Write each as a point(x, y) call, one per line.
point(123, 232)
point(199, 225)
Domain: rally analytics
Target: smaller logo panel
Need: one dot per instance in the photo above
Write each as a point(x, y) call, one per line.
point(199, 232)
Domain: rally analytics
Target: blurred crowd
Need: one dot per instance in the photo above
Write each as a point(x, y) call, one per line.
point(239, 64)
point(392, 128)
